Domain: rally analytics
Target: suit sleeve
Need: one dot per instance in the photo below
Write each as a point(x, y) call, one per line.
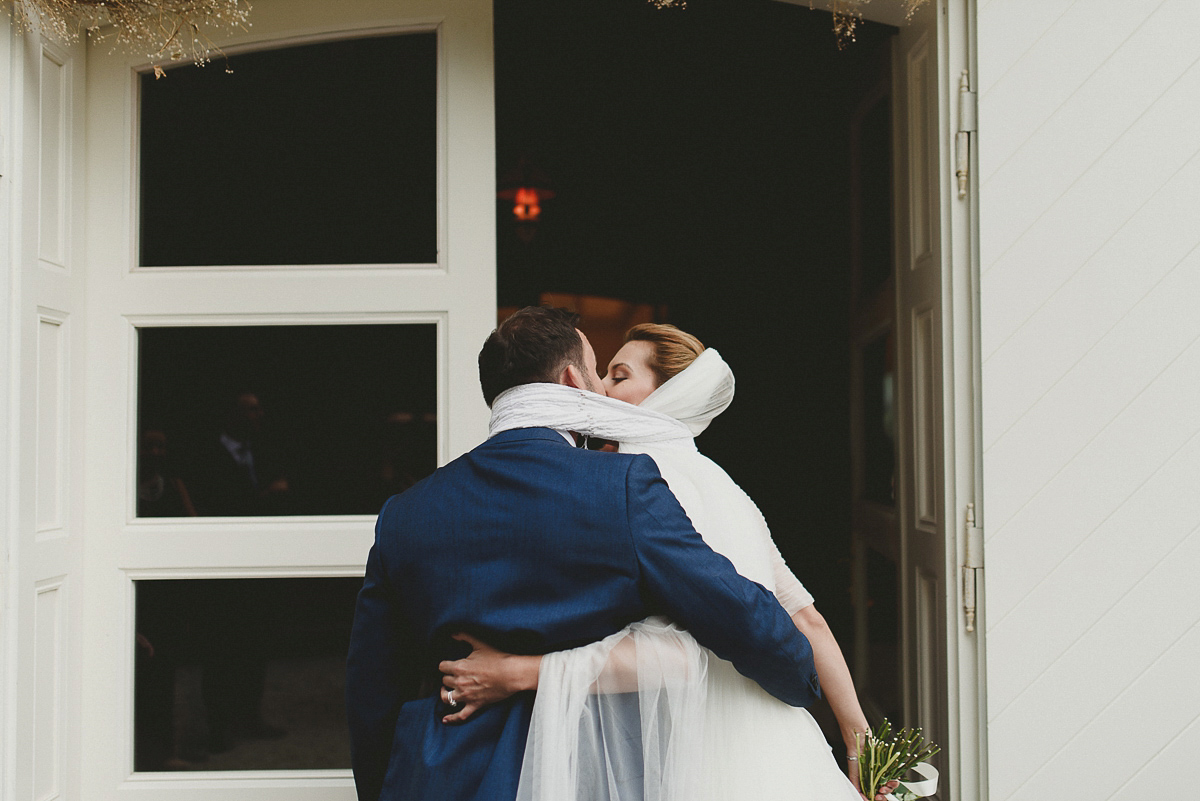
point(381, 674)
point(737, 619)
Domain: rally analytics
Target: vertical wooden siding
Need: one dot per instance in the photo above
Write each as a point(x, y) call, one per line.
point(1090, 235)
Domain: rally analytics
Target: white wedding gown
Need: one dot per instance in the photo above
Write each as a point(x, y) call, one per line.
point(756, 748)
point(706, 731)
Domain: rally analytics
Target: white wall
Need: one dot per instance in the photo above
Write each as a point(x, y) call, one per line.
point(1090, 236)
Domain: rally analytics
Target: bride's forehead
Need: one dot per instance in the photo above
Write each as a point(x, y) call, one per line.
point(636, 353)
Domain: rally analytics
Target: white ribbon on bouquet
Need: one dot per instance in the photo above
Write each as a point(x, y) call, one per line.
point(920, 789)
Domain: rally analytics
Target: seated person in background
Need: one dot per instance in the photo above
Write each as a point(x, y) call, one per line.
point(160, 493)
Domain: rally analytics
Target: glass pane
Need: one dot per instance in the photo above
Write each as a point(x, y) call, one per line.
point(879, 420)
point(283, 420)
point(321, 154)
point(242, 674)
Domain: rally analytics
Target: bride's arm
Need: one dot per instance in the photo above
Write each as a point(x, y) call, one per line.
point(834, 674)
point(488, 675)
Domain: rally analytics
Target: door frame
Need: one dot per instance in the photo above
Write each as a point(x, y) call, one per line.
point(962, 402)
point(962, 453)
point(960, 383)
point(9, 391)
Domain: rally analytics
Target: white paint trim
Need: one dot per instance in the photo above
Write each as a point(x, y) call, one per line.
point(242, 779)
point(316, 36)
point(57, 717)
point(274, 571)
point(66, 113)
point(285, 318)
point(57, 527)
point(11, 175)
point(963, 454)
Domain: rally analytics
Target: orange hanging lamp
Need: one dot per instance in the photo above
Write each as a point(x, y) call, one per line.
point(527, 188)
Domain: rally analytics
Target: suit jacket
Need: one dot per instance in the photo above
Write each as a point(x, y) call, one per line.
point(533, 546)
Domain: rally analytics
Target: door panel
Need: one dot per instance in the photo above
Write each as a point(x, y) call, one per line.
point(921, 470)
point(231, 560)
point(49, 316)
point(925, 407)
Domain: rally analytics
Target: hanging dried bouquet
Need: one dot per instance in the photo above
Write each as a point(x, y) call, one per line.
point(159, 29)
point(848, 13)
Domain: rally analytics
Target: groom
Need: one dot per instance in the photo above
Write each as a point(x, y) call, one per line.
point(532, 545)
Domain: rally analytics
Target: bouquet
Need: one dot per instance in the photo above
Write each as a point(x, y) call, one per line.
point(884, 757)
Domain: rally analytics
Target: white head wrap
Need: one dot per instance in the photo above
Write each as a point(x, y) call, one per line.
point(697, 394)
point(679, 409)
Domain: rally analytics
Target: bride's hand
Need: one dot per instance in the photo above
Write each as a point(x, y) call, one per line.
point(484, 677)
point(884, 791)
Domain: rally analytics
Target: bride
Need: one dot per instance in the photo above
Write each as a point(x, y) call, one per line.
point(648, 713)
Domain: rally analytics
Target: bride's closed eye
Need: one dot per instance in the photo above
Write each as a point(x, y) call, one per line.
point(629, 377)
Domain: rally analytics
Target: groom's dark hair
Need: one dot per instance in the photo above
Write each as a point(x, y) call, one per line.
point(532, 346)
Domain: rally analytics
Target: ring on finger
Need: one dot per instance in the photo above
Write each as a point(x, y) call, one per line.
point(450, 698)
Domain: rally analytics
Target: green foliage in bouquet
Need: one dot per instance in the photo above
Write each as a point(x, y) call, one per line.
point(884, 756)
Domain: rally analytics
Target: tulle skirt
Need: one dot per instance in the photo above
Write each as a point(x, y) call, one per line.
point(649, 715)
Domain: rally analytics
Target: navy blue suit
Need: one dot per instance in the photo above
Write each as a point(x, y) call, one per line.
point(533, 546)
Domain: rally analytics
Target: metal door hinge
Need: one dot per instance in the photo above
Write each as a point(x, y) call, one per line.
point(972, 564)
point(968, 113)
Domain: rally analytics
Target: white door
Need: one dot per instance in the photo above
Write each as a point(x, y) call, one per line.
point(170, 292)
point(915, 336)
point(920, 474)
point(937, 364)
point(896, 397)
point(47, 389)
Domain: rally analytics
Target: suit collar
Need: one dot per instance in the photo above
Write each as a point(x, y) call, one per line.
point(523, 434)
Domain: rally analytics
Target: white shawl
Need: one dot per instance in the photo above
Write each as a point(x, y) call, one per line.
point(678, 410)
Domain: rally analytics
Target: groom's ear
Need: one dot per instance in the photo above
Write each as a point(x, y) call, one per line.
point(571, 377)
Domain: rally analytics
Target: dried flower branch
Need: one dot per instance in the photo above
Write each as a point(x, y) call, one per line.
point(848, 13)
point(173, 30)
point(884, 756)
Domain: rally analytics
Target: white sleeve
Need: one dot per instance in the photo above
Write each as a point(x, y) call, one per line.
point(791, 594)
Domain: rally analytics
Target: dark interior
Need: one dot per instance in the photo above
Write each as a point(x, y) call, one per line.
point(701, 161)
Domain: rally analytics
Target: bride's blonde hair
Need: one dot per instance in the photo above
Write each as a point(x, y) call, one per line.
point(673, 349)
